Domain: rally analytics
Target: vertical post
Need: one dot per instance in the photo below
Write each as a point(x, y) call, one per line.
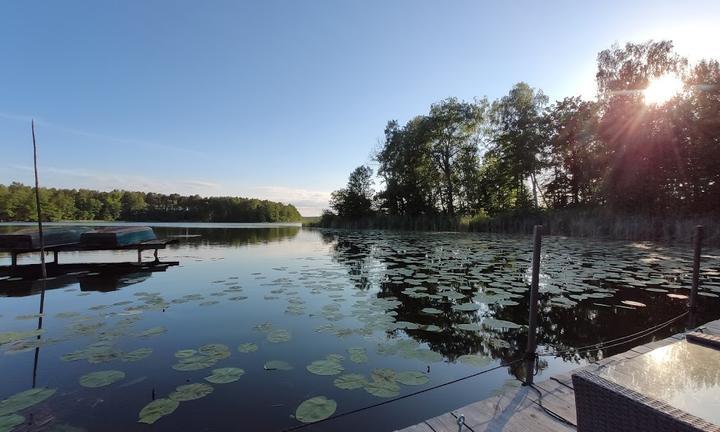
point(533, 305)
point(139, 256)
point(697, 248)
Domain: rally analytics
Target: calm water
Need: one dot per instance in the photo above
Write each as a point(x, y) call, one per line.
point(437, 305)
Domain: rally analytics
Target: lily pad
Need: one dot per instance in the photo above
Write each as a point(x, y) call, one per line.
point(215, 351)
point(24, 399)
point(136, 355)
point(225, 375)
point(431, 311)
point(382, 388)
point(157, 409)
point(350, 381)
point(152, 332)
point(633, 303)
point(325, 367)
point(278, 365)
point(16, 336)
point(247, 348)
point(279, 335)
point(8, 422)
point(185, 353)
point(315, 409)
point(194, 363)
point(101, 378)
point(474, 360)
point(358, 355)
point(412, 378)
point(190, 392)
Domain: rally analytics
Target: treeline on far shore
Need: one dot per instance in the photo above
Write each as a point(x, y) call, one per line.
point(589, 223)
point(17, 204)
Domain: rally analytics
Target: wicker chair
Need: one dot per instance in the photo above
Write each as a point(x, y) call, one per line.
point(608, 407)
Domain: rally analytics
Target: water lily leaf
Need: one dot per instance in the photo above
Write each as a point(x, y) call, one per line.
point(194, 363)
point(383, 374)
point(137, 354)
point(16, 336)
point(190, 392)
point(24, 399)
point(431, 311)
point(278, 365)
point(633, 303)
point(185, 353)
point(382, 388)
point(497, 323)
point(412, 378)
point(474, 360)
point(225, 375)
point(215, 351)
point(315, 409)
point(247, 348)
point(8, 422)
point(350, 381)
point(157, 409)
point(152, 332)
point(279, 335)
point(358, 355)
point(466, 307)
point(325, 367)
point(101, 378)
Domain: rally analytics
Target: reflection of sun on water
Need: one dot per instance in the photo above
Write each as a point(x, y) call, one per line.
point(662, 89)
point(661, 355)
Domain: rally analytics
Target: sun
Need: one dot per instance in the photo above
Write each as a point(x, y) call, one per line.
point(662, 89)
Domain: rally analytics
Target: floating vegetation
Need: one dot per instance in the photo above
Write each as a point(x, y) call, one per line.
point(278, 365)
point(185, 353)
point(152, 332)
point(315, 409)
point(431, 311)
point(24, 399)
point(633, 303)
point(412, 378)
point(382, 388)
point(474, 360)
point(350, 381)
point(247, 348)
point(16, 336)
point(358, 355)
point(99, 352)
point(190, 392)
point(225, 375)
point(330, 366)
point(156, 409)
point(136, 355)
point(215, 351)
point(8, 422)
point(278, 336)
point(101, 378)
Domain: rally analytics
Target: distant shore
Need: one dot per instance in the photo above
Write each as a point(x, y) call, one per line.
point(568, 222)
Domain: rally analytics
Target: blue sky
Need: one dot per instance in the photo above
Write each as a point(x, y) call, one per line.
point(281, 99)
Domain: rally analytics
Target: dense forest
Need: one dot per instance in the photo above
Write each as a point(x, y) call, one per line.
point(621, 153)
point(17, 203)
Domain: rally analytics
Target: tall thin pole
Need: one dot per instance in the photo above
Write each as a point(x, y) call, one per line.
point(697, 249)
point(533, 306)
point(42, 252)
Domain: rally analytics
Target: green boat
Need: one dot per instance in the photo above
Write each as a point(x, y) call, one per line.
point(112, 237)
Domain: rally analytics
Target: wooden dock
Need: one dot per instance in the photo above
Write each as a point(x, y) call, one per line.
point(520, 409)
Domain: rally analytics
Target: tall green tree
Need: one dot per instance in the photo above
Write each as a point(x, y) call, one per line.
point(355, 201)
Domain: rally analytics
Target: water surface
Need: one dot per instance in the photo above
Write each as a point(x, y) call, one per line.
point(436, 306)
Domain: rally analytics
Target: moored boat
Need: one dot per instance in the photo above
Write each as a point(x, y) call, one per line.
point(117, 236)
point(29, 238)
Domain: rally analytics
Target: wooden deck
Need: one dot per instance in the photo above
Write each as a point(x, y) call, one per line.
point(519, 409)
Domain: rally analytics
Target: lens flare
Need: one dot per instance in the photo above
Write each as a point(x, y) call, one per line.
point(662, 89)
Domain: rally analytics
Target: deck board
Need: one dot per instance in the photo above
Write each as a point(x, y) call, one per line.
point(518, 409)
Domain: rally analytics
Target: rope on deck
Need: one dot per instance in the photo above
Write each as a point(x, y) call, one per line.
point(347, 413)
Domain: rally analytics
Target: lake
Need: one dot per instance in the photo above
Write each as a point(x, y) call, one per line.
point(258, 319)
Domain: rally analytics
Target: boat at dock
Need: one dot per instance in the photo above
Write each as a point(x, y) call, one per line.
point(117, 236)
point(29, 238)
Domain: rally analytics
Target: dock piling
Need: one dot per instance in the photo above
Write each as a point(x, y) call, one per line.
point(533, 306)
point(697, 250)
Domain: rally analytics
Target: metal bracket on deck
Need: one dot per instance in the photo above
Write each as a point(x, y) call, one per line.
point(461, 422)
